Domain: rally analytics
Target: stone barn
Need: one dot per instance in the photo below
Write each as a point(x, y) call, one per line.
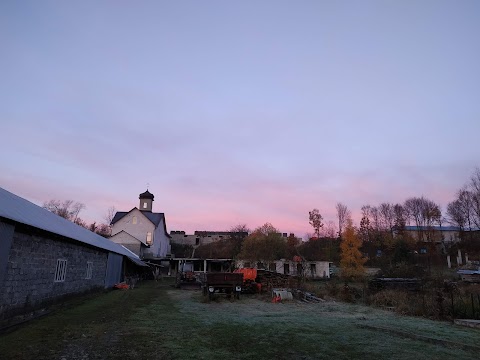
point(45, 258)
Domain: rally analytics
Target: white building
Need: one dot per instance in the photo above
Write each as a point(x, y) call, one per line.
point(309, 269)
point(142, 231)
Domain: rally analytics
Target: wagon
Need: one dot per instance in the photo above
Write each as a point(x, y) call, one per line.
point(222, 283)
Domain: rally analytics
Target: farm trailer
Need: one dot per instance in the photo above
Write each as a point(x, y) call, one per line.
point(222, 283)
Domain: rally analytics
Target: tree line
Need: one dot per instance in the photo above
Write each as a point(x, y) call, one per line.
point(70, 210)
point(381, 230)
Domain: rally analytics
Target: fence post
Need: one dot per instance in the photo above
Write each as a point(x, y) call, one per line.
point(453, 306)
point(473, 306)
point(478, 296)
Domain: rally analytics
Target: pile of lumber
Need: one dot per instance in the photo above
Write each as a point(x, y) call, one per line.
point(308, 297)
point(272, 279)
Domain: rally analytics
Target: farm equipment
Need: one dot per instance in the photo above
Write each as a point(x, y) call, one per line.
point(250, 284)
point(186, 277)
point(223, 283)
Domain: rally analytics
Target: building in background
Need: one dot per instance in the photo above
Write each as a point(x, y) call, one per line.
point(45, 258)
point(202, 237)
point(142, 231)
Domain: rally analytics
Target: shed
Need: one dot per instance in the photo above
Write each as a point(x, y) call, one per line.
point(44, 258)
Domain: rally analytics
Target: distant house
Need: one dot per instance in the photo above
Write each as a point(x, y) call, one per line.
point(142, 231)
point(44, 258)
point(309, 269)
point(202, 237)
point(432, 234)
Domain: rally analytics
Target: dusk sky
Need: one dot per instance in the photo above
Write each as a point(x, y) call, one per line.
point(238, 111)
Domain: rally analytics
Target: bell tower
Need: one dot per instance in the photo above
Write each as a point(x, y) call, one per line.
point(146, 200)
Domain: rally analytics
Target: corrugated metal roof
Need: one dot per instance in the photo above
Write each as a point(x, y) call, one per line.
point(437, 228)
point(15, 208)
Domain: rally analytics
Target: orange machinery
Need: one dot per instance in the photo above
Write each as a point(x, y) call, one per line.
point(250, 283)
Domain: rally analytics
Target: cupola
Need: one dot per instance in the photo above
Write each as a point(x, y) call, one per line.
point(146, 200)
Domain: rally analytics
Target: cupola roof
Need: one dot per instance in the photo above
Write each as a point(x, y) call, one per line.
point(146, 195)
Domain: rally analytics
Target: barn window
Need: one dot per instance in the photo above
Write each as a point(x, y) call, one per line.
point(144, 205)
point(60, 270)
point(134, 220)
point(149, 238)
point(88, 274)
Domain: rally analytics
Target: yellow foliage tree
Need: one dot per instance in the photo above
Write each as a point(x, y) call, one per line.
point(351, 259)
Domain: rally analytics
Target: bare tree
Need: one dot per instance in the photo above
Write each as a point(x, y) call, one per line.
point(111, 211)
point(316, 221)
point(366, 229)
point(456, 214)
point(103, 230)
point(67, 209)
point(343, 214)
point(328, 230)
point(425, 213)
point(474, 189)
point(387, 216)
point(400, 217)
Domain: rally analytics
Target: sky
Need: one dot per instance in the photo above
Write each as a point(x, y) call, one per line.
point(236, 112)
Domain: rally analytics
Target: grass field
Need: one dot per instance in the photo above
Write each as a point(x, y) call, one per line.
point(156, 321)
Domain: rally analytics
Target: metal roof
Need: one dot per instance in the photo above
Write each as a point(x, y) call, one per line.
point(22, 211)
point(155, 218)
point(437, 228)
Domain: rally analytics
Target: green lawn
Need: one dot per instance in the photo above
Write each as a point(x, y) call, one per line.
point(156, 321)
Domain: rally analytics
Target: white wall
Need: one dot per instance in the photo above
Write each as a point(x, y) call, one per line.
point(138, 230)
point(129, 242)
point(322, 268)
point(161, 243)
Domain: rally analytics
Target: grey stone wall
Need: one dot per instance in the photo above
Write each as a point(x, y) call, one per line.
point(29, 278)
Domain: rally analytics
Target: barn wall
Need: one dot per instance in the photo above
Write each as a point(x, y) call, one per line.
point(6, 239)
point(114, 270)
point(30, 271)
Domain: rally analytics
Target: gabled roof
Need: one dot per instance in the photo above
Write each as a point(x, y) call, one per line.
point(155, 218)
point(17, 209)
point(130, 236)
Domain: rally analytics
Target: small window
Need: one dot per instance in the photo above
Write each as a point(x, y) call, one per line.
point(134, 220)
point(89, 271)
point(149, 238)
point(299, 269)
point(60, 270)
point(286, 269)
point(144, 205)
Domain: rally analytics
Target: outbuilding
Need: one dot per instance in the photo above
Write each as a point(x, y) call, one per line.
point(45, 258)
